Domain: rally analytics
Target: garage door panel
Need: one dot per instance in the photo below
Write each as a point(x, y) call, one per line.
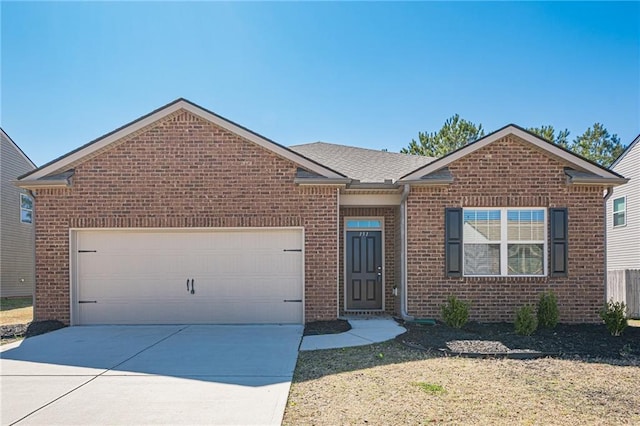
point(140, 277)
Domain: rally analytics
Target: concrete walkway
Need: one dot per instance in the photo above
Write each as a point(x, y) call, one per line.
point(121, 375)
point(363, 332)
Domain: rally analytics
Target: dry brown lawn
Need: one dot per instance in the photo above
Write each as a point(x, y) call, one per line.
point(389, 384)
point(16, 311)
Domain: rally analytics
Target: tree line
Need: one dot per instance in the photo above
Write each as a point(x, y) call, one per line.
point(595, 144)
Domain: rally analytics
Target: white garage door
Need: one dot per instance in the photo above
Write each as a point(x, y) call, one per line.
point(185, 277)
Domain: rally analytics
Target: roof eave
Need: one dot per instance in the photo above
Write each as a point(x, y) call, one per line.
point(81, 153)
point(356, 184)
point(37, 184)
point(321, 181)
point(523, 134)
point(597, 181)
point(426, 182)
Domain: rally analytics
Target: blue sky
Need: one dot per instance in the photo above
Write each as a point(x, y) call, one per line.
point(362, 74)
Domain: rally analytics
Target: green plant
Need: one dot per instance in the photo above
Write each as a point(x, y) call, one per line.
point(526, 322)
point(548, 310)
point(455, 313)
point(431, 388)
point(626, 351)
point(614, 315)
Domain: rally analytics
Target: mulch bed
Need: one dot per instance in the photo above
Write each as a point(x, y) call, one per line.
point(35, 328)
point(585, 341)
point(326, 327)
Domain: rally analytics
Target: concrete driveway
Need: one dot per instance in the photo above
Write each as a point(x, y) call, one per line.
point(196, 375)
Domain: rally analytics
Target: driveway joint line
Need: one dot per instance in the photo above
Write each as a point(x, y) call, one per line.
point(98, 375)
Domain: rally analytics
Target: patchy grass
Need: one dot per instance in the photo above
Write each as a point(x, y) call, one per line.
point(18, 310)
point(430, 388)
point(634, 322)
point(357, 386)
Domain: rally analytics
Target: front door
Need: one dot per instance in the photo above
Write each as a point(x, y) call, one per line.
point(364, 270)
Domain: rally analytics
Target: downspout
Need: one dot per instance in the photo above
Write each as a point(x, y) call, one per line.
point(607, 195)
point(338, 253)
point(33, 293)
point(403, 237)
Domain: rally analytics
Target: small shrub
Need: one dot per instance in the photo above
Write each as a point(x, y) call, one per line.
point(548, 310)
point(614, 315)
point(526, 322)
point(455, 313)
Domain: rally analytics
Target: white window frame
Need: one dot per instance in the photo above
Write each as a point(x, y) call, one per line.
point(623, 212)
point(504, 242)
point(22, 209)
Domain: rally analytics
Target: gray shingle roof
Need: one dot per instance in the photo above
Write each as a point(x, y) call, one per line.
point(366, 165)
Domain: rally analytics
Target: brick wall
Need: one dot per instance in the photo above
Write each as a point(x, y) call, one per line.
point(506, 173)
point(185, 172)
point(389, 214)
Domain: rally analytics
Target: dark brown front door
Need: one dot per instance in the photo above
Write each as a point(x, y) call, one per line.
point(364, 270)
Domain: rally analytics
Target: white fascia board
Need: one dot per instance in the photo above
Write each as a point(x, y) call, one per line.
point(510, 130)
point(368, 200)
point(170, 109)
point(47, 183)
point(596, 181)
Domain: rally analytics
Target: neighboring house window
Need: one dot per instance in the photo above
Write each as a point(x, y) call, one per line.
point(620, 211)
point(26, 209)
point(504, 242)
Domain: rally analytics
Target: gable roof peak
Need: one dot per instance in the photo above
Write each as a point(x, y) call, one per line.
point(575, 160)
point(80, 154)
point(625, 152)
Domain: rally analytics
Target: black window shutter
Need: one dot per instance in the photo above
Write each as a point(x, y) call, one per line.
point(559, 242)
point(453, 242)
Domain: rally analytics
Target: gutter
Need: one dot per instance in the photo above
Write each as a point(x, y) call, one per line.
point(428, 182)
point(403, 236)
point(321, 181)
point(596, 181)
point(49, 183)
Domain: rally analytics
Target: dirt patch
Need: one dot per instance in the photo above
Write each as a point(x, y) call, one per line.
point(326, 327)
point(16, 310)
point(389, 383)
point(588, 341)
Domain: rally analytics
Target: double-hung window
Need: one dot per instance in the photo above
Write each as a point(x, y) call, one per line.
point(26, 209)
point(619, 211)
point(504, 242)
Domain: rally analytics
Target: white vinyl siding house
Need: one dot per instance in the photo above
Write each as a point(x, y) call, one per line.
point(623, 213)
point(623, 232)
point(17, 258)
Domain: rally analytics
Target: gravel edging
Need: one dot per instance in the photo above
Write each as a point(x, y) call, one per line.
point(512, 354)
point(35, 328)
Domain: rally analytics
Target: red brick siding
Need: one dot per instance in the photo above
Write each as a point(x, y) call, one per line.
point(185, 172)
point(389, 214)
point(507, 173)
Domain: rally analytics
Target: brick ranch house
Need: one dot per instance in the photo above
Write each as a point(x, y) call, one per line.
point(183, 216)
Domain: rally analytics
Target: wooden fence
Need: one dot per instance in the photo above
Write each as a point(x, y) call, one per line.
point(624, 286)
